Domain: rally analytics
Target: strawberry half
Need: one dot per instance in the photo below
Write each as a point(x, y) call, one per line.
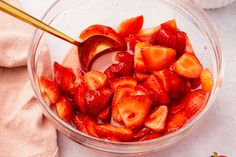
point(180, 43)
point(130, 26)
point(64, 108)
point(157, 58)
point(176, 121)
point(157, 119)
point(170, 25)
point(123, 81)
point(79, 97)
point(105, 115)
point(164, 76)
point(50, 88)
point(147, 35)
point(188, 66)
point(133, 110)
point(94, 79)
point(166, 38)
point(206, 80)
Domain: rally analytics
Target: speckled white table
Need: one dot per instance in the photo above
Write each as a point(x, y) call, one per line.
point(218, 133)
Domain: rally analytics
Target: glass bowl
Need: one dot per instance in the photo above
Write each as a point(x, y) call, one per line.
point(71, 17)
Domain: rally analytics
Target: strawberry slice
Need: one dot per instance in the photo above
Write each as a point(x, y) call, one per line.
point(165, 37)
point(176, 106)
point(133, 110)
point(180, 43)
point(157, 119)
point(64, 108)
point(64, 77)
point(147, 35)
point(195, 102)
point(131, 42)
point(151, 136)
point(157, 58)
point(124, 57)
point(188, 66)
point(94, 79)
point(164, 76)
point(176, 121)
point(97, 100)
point(138, 60)
point(108, 130)
point(124, 81)
point(130, 26)
point(206, 80)
point(100, 30)
point(50, 88)
point(170, 25)
point(84, 124)
point(79, 98)
point(141, 76)
point(105, 115)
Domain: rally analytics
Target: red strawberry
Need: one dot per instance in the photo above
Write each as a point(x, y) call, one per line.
point(130, 26)
point(84, 124)
point(170, 26)
point(141, 134)
point(164, 75)
point(157, 58)
point(157, 119)
point(141, 76)
point(206, 80)
point(110, 73)
point(195, 102)
point(147, 35)
point(151, 136)
point(97, 100)
point(64, 108)
point(127, 81)
point(131, 42)
point(64, 77)
point(188, 66)
point(166, 38)
point(79, 98)
point(195, 83)
point(133, 110)
point(176, 121)
point(180, 43)
point(124, 57)
point(176, 107)
point(50, 88)
point(105, 115)
point(108, 130)
point(94, 79)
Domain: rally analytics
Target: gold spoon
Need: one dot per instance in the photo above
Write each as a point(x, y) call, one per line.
point(86, 49)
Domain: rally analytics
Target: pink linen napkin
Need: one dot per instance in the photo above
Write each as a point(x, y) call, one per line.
point(24, 131)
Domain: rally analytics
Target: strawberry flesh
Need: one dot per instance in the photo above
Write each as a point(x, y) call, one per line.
point(64, 108)
point(124, 81)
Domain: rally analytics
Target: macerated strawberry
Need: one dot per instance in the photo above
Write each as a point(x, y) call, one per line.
point(195, 83)
point(64, 108)
point(105, 115)
point(188, 66)
point(133, 110)
point(79, 97)
point(170, 25)
point(141, 133)
point(108, 130)
point(50, 88)
point(123, 81)
point(97, 100)
point(131, 42)
point(94, 79)
point(157, 119)
point(176, 106)
point(147, 35)
point(195, 102)
point(164, 76)
point(151, 136)
point(130, 26)
point(206, 80)
point(110, 73)
point(157, 58)
point(141, 76)
point(176, 121)
point(84, 124)
point(166, 38)
point(64, 77)
point(124, 57)
point(180, 43)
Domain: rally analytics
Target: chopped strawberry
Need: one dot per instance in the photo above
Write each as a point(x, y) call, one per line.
point(84, 124)
point(147, 35)
point(64, 108)
point(133, 110)
point(141, 134)
point(97, 100)
point(64, 77)
point(157, 58)
point(110, 73)
point(166, 38)
point(151, 136)
point(138, 60)
point(94, 79)
point(176, 121)
point(127, 81)
point(50, 88)
point(79, 97)
point(176, 107)
point(195, 83)
point(105, 115)
point(188, 66)
point(108, 130)
point(189, 47)
point(131, 42)
point(141, 76)
point(157, 119)
point(206, 80)
point(130, 26)
point(180, 43)
point(124, 57)
point(195, 102)
point(164, 75)
point(170, 25)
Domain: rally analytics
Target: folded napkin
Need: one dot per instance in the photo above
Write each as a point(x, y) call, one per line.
point(24, 131)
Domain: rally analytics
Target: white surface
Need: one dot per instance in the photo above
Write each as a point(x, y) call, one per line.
point(217, 133)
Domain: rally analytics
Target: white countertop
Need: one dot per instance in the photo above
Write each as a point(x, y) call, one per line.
point(217, 133)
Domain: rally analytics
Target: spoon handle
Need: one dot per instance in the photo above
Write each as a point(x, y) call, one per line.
point(23, 16)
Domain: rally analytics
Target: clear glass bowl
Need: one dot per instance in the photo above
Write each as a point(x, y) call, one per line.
point(71, 17)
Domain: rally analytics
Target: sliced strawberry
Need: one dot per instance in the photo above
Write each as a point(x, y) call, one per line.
point(138, 60)
point(170, 25)
point(141, 76)
point(147, 35)
point(105, 115)
point(176, 107)
point(64, 77)
point(157, 119)
point(164, 75)
point(195, 102)
point(50, 88)
point(166, 38)
point(157, 58)
point(124, 57)
point(188, 66)
point(195, 83)
point(141, 134)
point(64, 108)
point(84, 124)
point(206, 80)
point(130, 26)
point(110, 73)
point(176, 121)
point(131, 42)
point(100, 30)
point(133, 110)
point(127, 81)
point(108, 130)
point(180, 43)
point(151, 136)
point(94, 79)
point(79, 98)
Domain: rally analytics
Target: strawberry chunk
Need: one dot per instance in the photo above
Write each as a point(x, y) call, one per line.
point(176, 107)
point(188, 66)
point(170, 25)
point(64, 108)
point(84, 124)
point(105, 115)
point(176, 121)
point(94, 79)
point(147, 35)
point(164, 76)
point(130, 26)
point(133, 110)
point(124, 81)
point(141, 76)
point(206, 80)
point(124, 57)
point(138, 60)
point(166, 38)
point(151, 136)
point(131, 42)
point(108, 130)
point(79, 98)
point(180, 43)
point(50, 88)
point(157, 58)
point(157, 119)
